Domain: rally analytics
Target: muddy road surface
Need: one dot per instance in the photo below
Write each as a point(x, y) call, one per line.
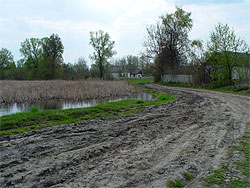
point(144, 149)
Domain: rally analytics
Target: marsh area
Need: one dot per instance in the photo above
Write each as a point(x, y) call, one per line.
point(11, 108)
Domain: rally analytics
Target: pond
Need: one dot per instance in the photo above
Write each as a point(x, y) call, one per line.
point(6, 109)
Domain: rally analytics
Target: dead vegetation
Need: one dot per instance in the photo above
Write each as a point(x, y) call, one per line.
point(22, 91)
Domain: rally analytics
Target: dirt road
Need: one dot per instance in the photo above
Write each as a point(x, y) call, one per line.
point(144, 149)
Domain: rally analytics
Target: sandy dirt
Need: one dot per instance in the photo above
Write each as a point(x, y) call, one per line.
point(144, 149)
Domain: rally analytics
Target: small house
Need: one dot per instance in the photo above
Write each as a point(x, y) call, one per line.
point(136, 74)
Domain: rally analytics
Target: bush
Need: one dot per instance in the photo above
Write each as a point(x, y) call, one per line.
point(140, 102)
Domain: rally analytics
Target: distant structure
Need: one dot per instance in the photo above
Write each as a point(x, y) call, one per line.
point(120, 72)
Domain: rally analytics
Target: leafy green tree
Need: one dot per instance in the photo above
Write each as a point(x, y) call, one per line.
point(132, 62)
point(20, 70)
point(68, 72)
point(81, 69)
point(167, 42)
point(103, 50)
point(7, 64)
point(6, 58)
point(225, 50)
point(42, 57)
point(200, 66)
point(52, 50)
point(145, 65)
point(31, 50)
point(94, 71)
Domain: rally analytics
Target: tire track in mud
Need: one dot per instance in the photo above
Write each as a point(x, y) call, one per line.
point(144, 149)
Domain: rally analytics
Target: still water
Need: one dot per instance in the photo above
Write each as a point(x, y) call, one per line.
point(6, 109)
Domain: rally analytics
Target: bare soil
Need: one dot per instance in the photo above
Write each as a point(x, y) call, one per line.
point(144, 149)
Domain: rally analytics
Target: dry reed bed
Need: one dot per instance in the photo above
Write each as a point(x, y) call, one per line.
point(31, 91)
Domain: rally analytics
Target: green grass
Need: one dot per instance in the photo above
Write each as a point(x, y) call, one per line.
point(226, 177)
point(35, 119)
point(188, 176)
point(175, 183)
point(140, 81)
point(180, 182)
point(225, 89)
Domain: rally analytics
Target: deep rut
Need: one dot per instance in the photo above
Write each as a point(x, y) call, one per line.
point(144, 149)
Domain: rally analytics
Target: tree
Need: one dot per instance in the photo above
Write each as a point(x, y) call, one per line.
point(31, 50)
point(81, 68)
point(94, 71)
point(167, 41)
point(198, 60)
point(103, 50)
point(7, 64)
point(42, 57)
point(146, 65)
point(6, 58)
point(132, 62)
point(53, 49)
point(20, 70)
point(225, 50)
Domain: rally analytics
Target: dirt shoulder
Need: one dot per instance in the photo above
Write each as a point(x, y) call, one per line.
point(144, 149)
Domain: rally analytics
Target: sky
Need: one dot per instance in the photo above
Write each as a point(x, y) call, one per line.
point(125, 21)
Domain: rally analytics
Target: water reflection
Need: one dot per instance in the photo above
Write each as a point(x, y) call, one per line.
point(7, 109)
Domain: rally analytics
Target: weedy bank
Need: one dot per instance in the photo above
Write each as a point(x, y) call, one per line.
point(31, 91)
point(27, 121)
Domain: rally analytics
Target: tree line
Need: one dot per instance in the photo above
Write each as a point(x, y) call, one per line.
point(168, 50)
point(42, 60)
point(223, 60)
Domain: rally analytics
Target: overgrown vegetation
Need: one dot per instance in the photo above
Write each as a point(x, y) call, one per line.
point(233, 175)
point(167, 42)
point(224, 59)
point(27, 121)
point(21, 91)
point(227, 54)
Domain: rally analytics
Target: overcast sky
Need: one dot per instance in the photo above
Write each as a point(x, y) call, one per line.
point(124, 20)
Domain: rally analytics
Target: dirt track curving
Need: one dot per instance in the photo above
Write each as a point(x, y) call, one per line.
point(144, 149)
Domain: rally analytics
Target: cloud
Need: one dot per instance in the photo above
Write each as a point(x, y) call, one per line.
point(206, 16)
point(125, 21)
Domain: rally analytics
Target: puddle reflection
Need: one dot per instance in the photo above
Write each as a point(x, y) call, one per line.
point(7, 109)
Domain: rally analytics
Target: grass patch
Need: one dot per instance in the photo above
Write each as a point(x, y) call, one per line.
point(225, 176)
point(175, 183)
point(188, 176)
point(226, 89)
point(135, 82)
point(140, 81)
point(33, 120)
point(180, 183)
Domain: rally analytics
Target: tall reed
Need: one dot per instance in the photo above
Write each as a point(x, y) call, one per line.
point(32, 91)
